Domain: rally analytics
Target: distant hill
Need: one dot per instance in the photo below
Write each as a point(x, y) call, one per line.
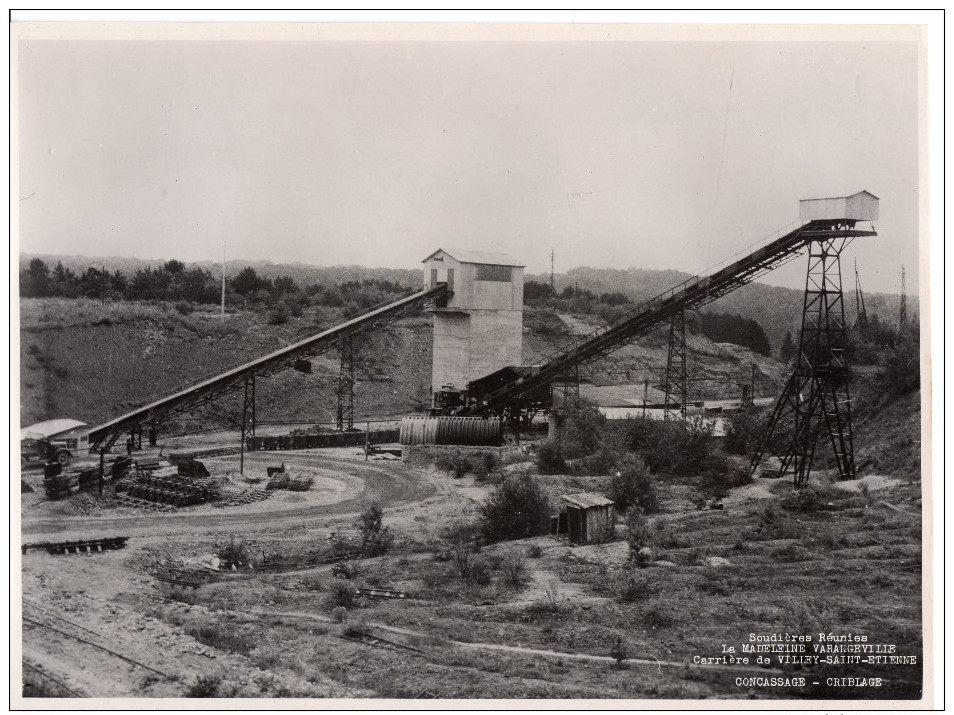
point(776, 309)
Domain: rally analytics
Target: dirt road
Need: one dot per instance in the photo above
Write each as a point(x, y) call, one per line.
point(389, 484)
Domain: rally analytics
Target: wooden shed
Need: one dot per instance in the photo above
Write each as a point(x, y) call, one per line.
point(862, 206)
point(584, 518)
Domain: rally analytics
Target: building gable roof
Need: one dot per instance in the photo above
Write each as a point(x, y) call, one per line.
point(486, 257)
point(587, 500)
point(52, 427)
point(851, 196)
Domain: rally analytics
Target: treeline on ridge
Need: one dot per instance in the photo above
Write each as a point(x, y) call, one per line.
point(174, 282)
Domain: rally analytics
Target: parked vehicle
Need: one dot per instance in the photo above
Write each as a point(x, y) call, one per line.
point(40, 450)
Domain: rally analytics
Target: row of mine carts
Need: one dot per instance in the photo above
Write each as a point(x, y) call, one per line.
point(315, 441)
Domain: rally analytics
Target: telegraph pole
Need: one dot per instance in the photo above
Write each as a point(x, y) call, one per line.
point(223, 281)
point(903, 317)
point(552, 276)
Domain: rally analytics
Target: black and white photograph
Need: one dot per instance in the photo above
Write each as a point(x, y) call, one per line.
point(571, 361)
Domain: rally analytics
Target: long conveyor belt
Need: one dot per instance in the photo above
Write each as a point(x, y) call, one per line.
point(656, 312)
point(233, 379)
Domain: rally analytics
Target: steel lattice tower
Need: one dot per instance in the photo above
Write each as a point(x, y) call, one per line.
point(345, 391)
point(817, 393)
point(676, 392)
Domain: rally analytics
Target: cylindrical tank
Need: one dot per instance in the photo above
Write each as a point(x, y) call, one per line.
point(472, 431)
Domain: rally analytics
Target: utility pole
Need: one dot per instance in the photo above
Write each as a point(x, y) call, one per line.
point(903, 317)
point(552, 276)
point(860, 311)
point(223, 281)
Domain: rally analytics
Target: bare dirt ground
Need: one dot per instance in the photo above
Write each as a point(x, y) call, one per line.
point(272, 631)
point(344, 484)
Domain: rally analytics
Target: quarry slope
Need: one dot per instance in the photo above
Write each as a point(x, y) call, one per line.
point(90, 362)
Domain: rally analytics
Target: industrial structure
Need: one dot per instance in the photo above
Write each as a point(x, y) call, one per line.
point(479, 329)
point(72, 433)
point(817, 394)
point(476, 299)
point(241, 379)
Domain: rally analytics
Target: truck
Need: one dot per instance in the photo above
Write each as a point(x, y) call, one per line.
point(41, 450)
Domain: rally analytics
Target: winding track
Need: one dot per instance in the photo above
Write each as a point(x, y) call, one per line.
point(389, 486)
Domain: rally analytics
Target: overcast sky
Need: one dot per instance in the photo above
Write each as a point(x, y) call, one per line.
point(614, 154)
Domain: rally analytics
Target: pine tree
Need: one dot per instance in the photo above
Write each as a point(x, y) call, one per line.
point(788, 347)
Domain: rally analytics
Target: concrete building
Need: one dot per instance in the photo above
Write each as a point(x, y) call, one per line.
point(73, 432)
point(862, 206)
point(481, 328)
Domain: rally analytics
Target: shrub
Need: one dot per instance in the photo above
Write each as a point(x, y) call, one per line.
point(550, 459)
point(632, 485)
point(535, 551)
point(339, 614)
point(222, 638)
point(376, 539)
point(455, 462)
point(718, 477)
point(482, 465)
point(345, 570)
point(479, 573)
point(234, 554)
point(341, 594)
point(671, 447)
point(311, 582)
point(637, 536)
point(714, 582)
point(515, 567)
point(205, 686)
point(516, 509)
point(743, 430)
point(657, 615)
point(634, 589)
point(459, 537)
point(803, 500)
point(583, 428)
point(355, 629)
point(901, 364)
point(279, 316)
point(618, 651)
point(551, 595)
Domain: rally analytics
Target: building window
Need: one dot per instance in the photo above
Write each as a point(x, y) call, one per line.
point(487, 272)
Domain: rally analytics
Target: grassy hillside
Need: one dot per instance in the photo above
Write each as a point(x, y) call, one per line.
point(91, 362)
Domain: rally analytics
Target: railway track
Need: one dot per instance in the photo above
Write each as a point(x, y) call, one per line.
point(45, 676)
point(381, 642)
point(86, 641)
